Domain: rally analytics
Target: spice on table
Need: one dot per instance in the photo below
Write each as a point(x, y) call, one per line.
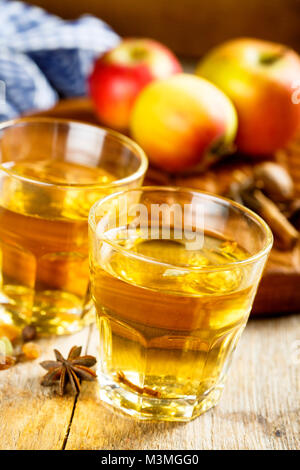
point(6, 354)
point(71, 370)
point(6, 362)
point(274, 181)
point(285, 232)
point(268, 192)
point(31, 350)
point(28, 333)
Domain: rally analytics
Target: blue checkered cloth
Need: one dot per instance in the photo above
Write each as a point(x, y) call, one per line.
point(43, 57)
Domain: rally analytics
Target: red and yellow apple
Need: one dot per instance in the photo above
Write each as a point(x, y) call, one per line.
point(179, 120)
point(259, 77)
point(120, 74)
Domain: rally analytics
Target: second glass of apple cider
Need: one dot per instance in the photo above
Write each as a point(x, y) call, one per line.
point(51, 173)
point(173, 276)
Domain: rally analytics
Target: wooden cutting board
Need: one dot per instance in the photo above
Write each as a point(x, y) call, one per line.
point(279, 290)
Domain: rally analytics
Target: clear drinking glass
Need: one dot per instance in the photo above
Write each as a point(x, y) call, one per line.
point(51, 173)
point(173, 276)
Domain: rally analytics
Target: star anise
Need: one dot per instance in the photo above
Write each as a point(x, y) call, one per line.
point(71, 370)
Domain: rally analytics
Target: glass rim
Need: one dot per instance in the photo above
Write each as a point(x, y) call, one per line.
point(141, 170)
point(244, 210)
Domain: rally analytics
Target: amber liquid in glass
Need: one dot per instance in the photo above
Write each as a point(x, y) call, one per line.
point(166, 334)
point(44, 245)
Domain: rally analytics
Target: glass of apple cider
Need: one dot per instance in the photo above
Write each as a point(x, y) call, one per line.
point(51, 172)
point(173, 276)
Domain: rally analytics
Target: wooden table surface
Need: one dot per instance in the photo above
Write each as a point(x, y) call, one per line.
point(260, 407)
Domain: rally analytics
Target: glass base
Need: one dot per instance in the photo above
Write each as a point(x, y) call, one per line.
point(56, 322)
point(157, 409)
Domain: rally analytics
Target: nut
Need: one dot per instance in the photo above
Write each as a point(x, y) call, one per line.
point(274, 181)
point(28, 333)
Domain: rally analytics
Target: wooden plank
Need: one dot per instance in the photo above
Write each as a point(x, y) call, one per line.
point(32, 416)
point(191, 27)
point(259, 408)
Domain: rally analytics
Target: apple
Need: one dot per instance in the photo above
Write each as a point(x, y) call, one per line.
point(259, 77)
point(120, 74)
point(181, 121)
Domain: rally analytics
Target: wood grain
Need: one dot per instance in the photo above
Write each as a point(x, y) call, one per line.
point(191, 27)
point(31, 416)
point(259, 408)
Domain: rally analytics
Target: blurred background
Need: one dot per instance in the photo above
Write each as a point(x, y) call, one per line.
point(190, 27)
